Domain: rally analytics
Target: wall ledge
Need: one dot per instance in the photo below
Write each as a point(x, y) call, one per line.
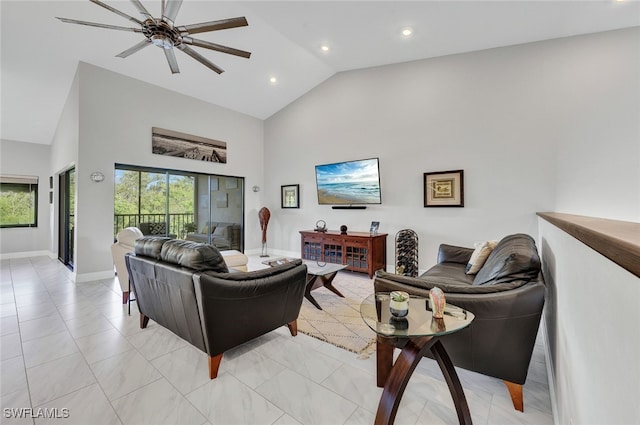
point(619, 241)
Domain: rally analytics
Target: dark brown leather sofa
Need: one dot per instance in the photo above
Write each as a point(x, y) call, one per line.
point(186, 288)
point(506, 296)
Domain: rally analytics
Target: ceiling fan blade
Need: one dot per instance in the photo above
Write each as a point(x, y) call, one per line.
point(197, 56)
point(141, 9)
point(144, 43)
point(95, 24)
point(170, 11)
point(171, 58)
point(116, 11)
point(222, 24)
point(216, 47)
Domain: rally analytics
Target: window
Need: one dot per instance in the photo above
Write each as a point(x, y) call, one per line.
point(18, 201)
point(180, 204)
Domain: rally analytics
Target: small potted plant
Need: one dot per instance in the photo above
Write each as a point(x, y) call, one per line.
point(399, 304)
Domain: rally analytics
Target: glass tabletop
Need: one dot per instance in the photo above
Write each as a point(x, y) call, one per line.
point(313, 267)
point(419, 322)
point(321, 269)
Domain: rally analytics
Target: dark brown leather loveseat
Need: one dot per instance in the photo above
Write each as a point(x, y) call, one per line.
point(506, 296)
point(186, 287)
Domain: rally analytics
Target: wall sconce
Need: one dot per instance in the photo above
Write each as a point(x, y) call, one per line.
point(96, 177)
point(256, 188)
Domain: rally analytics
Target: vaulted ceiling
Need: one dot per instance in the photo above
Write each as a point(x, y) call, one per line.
point(40, 54)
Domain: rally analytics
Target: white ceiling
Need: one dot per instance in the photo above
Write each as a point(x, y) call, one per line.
point(40, 54)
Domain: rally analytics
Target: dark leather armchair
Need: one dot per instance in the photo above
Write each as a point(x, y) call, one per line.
point(506, 296)
point(187, 288)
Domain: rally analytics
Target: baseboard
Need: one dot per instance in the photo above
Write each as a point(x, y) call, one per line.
point(551, 376)
point(89, 277)
point(26, 254)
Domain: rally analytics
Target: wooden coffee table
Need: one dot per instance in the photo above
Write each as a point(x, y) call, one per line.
point(318, 275)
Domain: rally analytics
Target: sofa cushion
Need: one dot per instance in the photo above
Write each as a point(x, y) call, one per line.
point(479, 256)
point(514, 258)
point(197, 256)
point(150, 246)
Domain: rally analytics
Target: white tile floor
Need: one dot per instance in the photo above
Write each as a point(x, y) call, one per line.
point(72, 346)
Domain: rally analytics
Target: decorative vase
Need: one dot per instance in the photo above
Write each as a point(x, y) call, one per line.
point(438, 325)
point(438, 302)
point(399, 304)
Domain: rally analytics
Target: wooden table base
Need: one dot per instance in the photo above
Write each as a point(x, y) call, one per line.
point(395, 377)
point(315, 281)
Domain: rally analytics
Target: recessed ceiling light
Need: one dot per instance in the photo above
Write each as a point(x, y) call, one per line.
point(407, 32)
point(273, 80)
point(324, 48)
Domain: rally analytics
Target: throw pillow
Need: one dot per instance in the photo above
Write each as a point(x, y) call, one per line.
point(479, 256)
point(221, 232)
point(157, 228)
point(207, 228)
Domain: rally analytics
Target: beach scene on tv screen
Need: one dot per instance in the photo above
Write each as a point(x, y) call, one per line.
point(354, 182)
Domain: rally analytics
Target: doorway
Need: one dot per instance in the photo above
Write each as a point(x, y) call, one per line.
point(66, 216)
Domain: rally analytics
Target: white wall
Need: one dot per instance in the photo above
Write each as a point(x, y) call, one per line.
point(64, 154)
point(116, 117)
point(592, 320)
point(598, 81)
point(503, 115)
point(490, 113)
point(27, 159)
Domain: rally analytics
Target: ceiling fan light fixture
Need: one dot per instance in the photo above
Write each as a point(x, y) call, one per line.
point(161, 40)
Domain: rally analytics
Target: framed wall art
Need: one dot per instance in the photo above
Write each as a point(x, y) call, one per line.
point(182, 145)
point(289, 196)
point(444, 189)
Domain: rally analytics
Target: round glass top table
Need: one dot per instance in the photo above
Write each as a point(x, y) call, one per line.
point(422, 333)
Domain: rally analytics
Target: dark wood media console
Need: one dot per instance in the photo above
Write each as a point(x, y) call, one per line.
point(359, 251)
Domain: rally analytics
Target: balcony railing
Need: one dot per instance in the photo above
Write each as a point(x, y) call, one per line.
point(175, 224)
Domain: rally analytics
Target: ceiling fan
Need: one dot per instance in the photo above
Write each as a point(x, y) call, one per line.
point(163, 32)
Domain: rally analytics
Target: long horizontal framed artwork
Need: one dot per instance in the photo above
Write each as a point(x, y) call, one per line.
point(181, 145)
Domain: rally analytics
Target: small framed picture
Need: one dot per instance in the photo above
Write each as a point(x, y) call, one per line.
point(290, 196)
point(375, 225)
point(444, 189)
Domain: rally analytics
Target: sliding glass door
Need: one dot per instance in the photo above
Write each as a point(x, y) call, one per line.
point(184, 205)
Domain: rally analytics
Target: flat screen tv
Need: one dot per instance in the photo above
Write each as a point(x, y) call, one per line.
point(349, 182)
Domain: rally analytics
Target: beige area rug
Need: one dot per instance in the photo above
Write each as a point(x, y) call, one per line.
point(339, 322)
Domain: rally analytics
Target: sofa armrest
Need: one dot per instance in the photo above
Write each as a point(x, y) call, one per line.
point(454, 254)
